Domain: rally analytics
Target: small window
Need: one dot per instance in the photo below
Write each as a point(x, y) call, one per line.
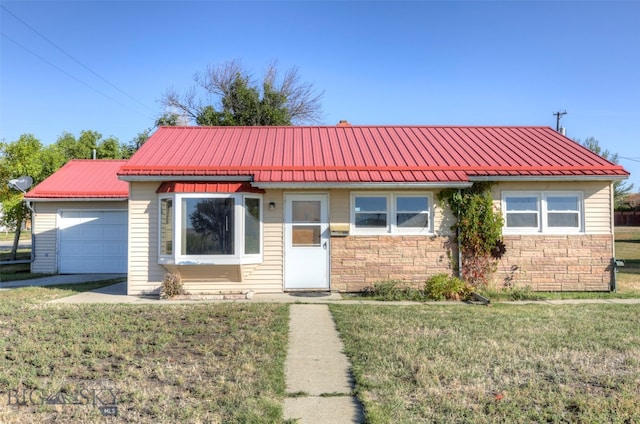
point(166, 227)
point(412, 212)
point(371, 212)
point(563, 211)
point(252, 221)
point(391, 213)
point(522, 212)
point(542, 212)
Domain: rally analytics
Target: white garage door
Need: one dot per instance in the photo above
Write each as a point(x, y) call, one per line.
point(92, 242)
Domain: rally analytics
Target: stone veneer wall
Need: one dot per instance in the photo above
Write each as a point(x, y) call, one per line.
point(360, 261)
point(557, 263)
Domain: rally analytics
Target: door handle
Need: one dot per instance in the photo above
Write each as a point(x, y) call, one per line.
point(324, 245)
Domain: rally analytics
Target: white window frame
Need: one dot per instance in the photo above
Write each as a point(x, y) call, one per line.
point(253, 257)
point(238, 257)
point(543, 212)
point(392, 214)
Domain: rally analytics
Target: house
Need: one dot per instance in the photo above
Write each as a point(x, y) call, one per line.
point(274, 209)
point(80, 219)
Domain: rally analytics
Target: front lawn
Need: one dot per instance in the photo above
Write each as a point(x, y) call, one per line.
point(627, 243)
point(507, 363)
point(169, 363)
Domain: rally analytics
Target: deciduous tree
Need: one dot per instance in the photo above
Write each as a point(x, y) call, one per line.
point(620, 188)
point(82, 147)
point(243, 101)
point(25, 156)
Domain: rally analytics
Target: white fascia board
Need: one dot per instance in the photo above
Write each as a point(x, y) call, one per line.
point(559, 178)
point(327, 185)
point(163, 178)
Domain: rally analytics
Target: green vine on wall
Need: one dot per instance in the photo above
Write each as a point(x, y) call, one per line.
point(479, 230)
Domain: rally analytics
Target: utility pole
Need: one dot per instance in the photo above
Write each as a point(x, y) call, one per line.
point(559, 115)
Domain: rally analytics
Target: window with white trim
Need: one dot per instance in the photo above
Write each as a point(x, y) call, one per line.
point(543, 212)
point(210, 228)
point(391, 213)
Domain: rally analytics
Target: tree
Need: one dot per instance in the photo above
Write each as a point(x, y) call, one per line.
point(86, 143)
point(136, 143)
point(242, 101)
point(25, 156)
point(620, 188)
point(167, 119)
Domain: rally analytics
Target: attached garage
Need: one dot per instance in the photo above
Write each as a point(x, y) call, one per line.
point(92, 242)
point(80, 220)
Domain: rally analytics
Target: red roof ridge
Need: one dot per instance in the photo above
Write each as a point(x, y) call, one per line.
point(351, 126)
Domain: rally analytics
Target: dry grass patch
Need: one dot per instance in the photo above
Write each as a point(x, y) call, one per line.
point(517, 364)
point(169, 363)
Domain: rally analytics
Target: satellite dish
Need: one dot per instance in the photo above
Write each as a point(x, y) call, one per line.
point(22, 183)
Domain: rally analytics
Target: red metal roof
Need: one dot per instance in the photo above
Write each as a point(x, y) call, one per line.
point(356, 154)
point(77, 179)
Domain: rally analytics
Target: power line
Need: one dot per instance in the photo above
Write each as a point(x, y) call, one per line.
point(631, 159)
point(61, 70)
point(73, 58)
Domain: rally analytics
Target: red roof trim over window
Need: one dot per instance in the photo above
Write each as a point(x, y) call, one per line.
point(207, 187)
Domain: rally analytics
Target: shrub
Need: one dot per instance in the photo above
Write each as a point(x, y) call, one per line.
point(394, 290)
point(443, 286)
point(438, 287)
point(479, 230)
point(171, 286)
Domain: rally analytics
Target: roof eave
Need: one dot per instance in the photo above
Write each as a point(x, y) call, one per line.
point(549, 178)
point(77, 199)
point(159, 178)
point(356, 185)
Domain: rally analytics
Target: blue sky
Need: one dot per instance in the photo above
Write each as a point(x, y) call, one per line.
point(440, 63)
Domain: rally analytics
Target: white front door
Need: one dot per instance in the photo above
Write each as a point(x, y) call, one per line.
point(306, 242)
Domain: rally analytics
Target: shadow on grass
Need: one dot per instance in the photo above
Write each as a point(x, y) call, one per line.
point(83, 287)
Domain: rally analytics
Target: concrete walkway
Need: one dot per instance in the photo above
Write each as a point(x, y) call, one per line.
point(60, 279)
point(317, 372)
point(117, 293)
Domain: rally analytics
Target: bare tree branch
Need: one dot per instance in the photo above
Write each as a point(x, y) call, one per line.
point(301, 101)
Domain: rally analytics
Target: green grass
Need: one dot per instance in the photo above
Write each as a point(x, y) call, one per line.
point(174, 363)
point(9, 236)
point(515, 364)
point(627, 244)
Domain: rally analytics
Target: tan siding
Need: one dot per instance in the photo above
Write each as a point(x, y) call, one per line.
point(46, 238)
point(597, 200)
point(269, 275)
point(598, 210)
point(443, 219)
point(145, 274)
point(340, 207)
point(46, 232)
